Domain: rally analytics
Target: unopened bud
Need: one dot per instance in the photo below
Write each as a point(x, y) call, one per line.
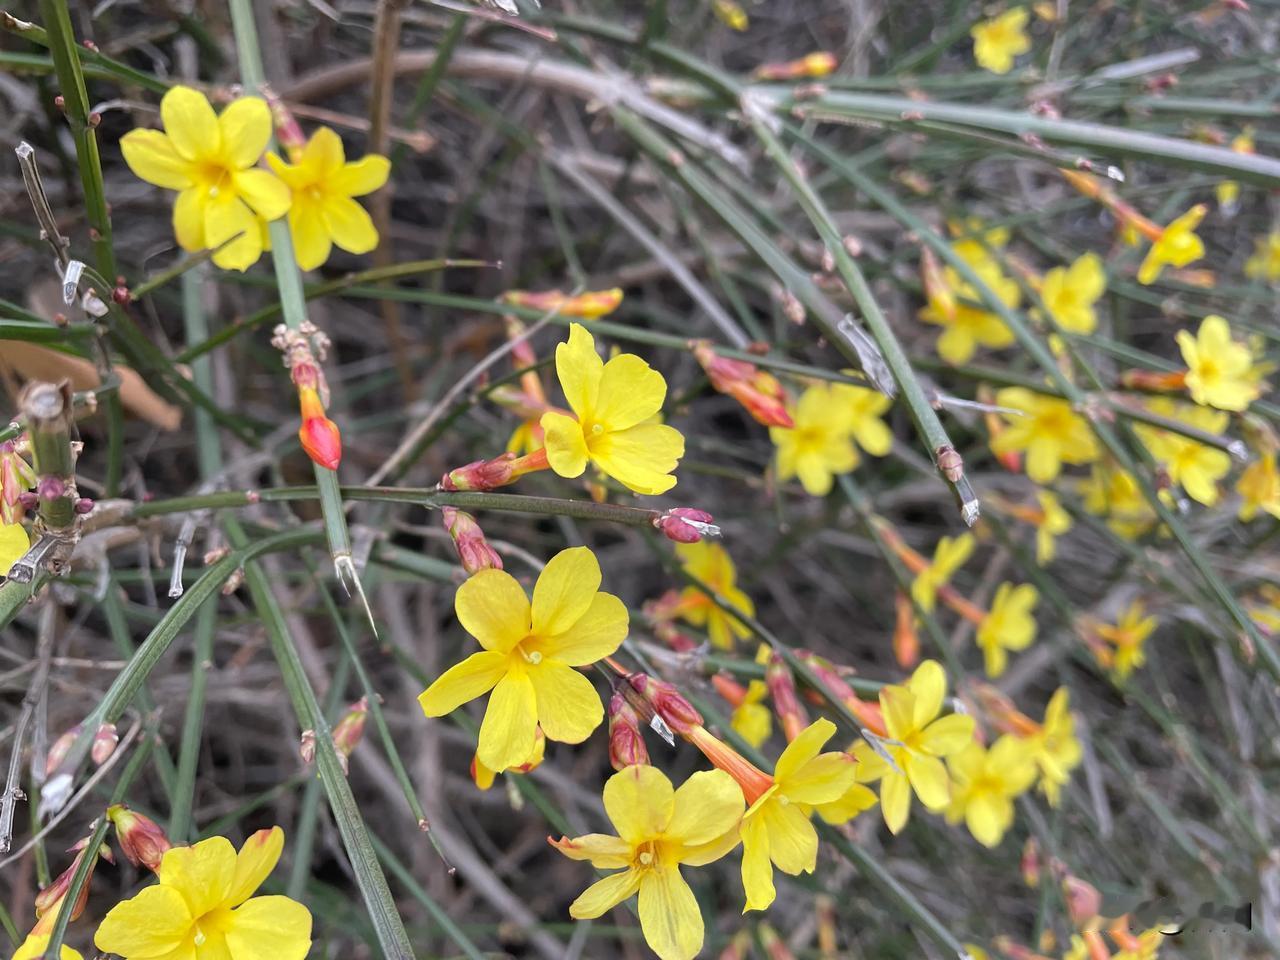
point(49, 898)
point(474, 552)
point(319, 435)
point(1083, 899)
point(84, 505)
point(58, 752)
point(121, 295)
point(288, 132)
point(104, 743)
point(686, 525)
point(782, 690)
point(817, 64)
point(51, 488)
point(906, 641)
point(1030, 862)
point(349, 730)
point(626, 742)
point(589, 305)
point(307, 746)
point(667, 702)
point(792, 308)
point(28, 500)
point(498, 472)
point(141, 840)
point(759, 392)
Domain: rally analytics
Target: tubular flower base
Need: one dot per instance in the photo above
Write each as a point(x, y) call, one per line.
point(659, 829)
point(591, 305)
point(759, 392)
point(498, 472)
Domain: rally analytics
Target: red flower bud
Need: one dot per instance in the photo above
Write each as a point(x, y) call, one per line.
point(349, 730)
point(686, 525)
point(319, 435)
point(626, 742)
point(782, 689)
point(58, 752)
point(667, 702)
point(104, 743)
point(49, 898)
point(498, 472)
point(141, 839)
point(1083, 899)
point(473, 549)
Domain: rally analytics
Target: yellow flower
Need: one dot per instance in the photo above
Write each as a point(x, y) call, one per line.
point(1069, 293)
point(776, 830)
point(998, 40)
point(1128, 636)
point(1113, 493)
point(948, 556)
point(710, 563)
point(1048, 430)
point(210, 159)
point(819, 446)
point(34, 946)
point(1009, 625)
point(1219, 370)
point(1178, 245)
point(1196, 466)
point(864, 408)
point(530, 651)
point(967, 327)
point(1145, 946)
point(13, 544)
point(1259, 486)
point(1265, 262)
point(984, 785)
point(658, 829)
point(323, 183)
point(975, 240)
point(751, 719)
point(202, 907)
point(612, 403)
point(1054, 748)
point(1054, 522)
point(917, 738)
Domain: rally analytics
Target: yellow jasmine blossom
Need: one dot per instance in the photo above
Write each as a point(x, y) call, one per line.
point(1196, 466)
point(529, 655)
point(1265, 262)
point(1069, 293)
point(985, 783)
point(13, 544)
point(33, 948)
point(1009, 625)
point(711, 564)
point(864, 408)
point(613, 404)
point(1178, 245)
point(202, 907)
point(1259, 486)
point(948, 556)
point(776, 830)
point(658, 829)
point(917, 739)
point(1219, 370)
point(1054, 747)
point(1128, 636)
point(967, 327)
point(751, 719)
point(1054, 522)
point(819, 446)
point(1113, 493)
point(998, 40)
point(323, 212)
point(974, 240)
point(210, 159)
point(1048, 430)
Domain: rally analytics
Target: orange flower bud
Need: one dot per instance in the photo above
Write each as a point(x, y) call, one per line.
point(626, 742)
point(759, 392)
point(733, 692)
point(498, 472)
point(1083, 899)
point(104, 743)
point(782, 690)
point(753, 781)
point(667, 703)
point(590, 305)
point(319, 435)
point(906, 642)
point(141, 839)
point(474, 551)
point(817, 64)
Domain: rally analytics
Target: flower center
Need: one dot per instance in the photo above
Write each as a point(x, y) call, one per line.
point(214, 177)
point(647, 855)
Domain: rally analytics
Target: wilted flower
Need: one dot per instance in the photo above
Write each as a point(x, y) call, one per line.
point(529, 655)
point(659, 829)
point(323, 184)
point(1047, 430)
point(211, 160)
point(984, 785)
point(1177, 245)
point(1219, 370)
point(1009, 626)
point(996, 42)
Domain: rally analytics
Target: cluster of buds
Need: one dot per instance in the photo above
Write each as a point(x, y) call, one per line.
point(588, 305)
point(474, 552)
point(49, 901)
point(498, 472)
point(142, 841)
point(626, 742)
point(811, 66)
point(303, 350)
point(759, 392)
point(686, 525)
point(16, 478)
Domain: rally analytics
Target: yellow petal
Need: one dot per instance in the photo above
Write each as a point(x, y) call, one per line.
point(191, 124)
point(568, 706)
point(669, 916)
point(802, 749)
point(152, 157)
point(155, 922)
point(985, 816)
point(604, 851)
point(929, 780)
point(823, 779)
point(898, 706)
point(854, 801)
point(33, 948)
point(947, 735)
point(493, 608)
point(349, 224)
point(603, 895)
point(323, 156)
point(757, 868)
point(508, 732)
point(595, 635)
point(13, 544)
point(473, 677)
point(311, 241)
point(793, 843)
point(361, 176)
point(929, 685)
point(703, 853)
point(269, 928)
point(580, 369)
point(640, 803)
point(869, 766)
point(895, 801)
point(708, 805)
point(564, 591)
point(297, 178)
point(245, 126)
point(566, 446)
point(188, 219)
point(254, 863)
point(266, 194)
point(640, 458)
point(231, 227)
point(201, 873)
point(630, 392)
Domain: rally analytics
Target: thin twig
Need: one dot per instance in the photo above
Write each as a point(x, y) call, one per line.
point(12, 792)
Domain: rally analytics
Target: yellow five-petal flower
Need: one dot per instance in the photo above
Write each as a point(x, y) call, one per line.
point(210, 159)
point(1219, 370)
point(711, 564)
point(1069, 293)
point(529, 655)
point(1054, 748)
point(820, 444)
point(1009, 626)
point(985, 785)
point(1177, 246)
point(1046, 428)
point(997, 41)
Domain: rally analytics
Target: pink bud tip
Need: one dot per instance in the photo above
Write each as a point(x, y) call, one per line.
point(686, 525)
